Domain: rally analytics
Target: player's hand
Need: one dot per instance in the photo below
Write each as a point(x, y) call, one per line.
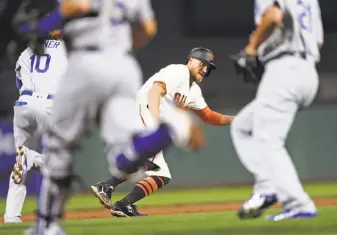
point(197, 137)
point(247, 65)
point(71, 8)
point(250, 50)
point(185, 129)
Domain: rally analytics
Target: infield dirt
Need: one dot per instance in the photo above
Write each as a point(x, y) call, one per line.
point(168, 209)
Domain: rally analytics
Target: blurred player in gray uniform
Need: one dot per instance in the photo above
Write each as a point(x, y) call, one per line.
point(139, 27)
point(135, 32)
point(37, 78)
point(287, 42)
point(99, 90)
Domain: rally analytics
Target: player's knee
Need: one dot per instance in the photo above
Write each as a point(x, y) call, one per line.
point(151, 184)
point(63, 182)
point(269, 142)
point(161, 180)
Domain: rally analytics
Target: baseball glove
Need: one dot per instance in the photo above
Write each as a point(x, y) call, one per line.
point(249, 66)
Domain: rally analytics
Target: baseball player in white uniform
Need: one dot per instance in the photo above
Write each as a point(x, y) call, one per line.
point(99, 89)
point(176, 83)
point(37, 78)
point(287, 41)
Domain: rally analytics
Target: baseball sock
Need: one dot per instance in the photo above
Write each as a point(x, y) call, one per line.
point(144, 188)
point(114, 181)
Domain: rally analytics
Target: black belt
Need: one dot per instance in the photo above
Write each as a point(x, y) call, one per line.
point(86, 48)
point(301, 54)
point(95, 48)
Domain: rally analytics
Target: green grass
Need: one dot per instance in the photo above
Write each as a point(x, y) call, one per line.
point(196, 224)
point(190, 196)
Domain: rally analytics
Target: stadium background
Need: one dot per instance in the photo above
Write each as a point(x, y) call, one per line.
point(222, 26)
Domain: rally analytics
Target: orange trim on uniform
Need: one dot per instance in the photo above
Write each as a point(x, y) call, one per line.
point(140, 115)
point(147, 185)
point(161, 180)
point(152, 182)
point(163, 84)
point(143, 188)
point(209, 116)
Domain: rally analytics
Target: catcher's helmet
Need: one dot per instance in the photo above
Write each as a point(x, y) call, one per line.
point(204, 55)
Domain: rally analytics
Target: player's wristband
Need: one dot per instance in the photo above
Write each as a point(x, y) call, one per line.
point(46, 23)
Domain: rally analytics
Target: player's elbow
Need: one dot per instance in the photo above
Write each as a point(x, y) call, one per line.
point(274, 15)
point(75, 8)
point(150, 28)
point(157, 89)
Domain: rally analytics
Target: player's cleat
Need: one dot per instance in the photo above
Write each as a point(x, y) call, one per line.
point(103, 192)
point(256, 205)
point(19, 168)
point(53, 229)
point(292, 214)
point(12, 220)
point(128, 210)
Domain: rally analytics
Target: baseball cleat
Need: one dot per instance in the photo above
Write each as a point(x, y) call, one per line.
point(291, 214)
point(12, 220)
point(53, 229)
point(256, 205)
point(128, 210)
point(103, 192)
point(19, 168)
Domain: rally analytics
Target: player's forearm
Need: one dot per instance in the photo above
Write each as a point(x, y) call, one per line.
point(270, 21)
point(154, 103)
point(144, 33)
point(218, 119)
point(214, 118)
point(226, 120)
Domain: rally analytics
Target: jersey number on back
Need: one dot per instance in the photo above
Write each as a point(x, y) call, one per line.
point(119, 13)
point(39, 64)
point(305, 16)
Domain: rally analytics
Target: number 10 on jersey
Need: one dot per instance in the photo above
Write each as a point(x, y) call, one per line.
point(39, 64)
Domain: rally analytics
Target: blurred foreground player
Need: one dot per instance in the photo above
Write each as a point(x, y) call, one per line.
point(96, 94)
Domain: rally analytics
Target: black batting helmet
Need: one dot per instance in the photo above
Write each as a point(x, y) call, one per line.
point(204, 55)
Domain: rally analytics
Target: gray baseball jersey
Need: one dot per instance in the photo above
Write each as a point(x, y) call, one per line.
point(300, 30)
point(98, 88)
point(133, 12)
